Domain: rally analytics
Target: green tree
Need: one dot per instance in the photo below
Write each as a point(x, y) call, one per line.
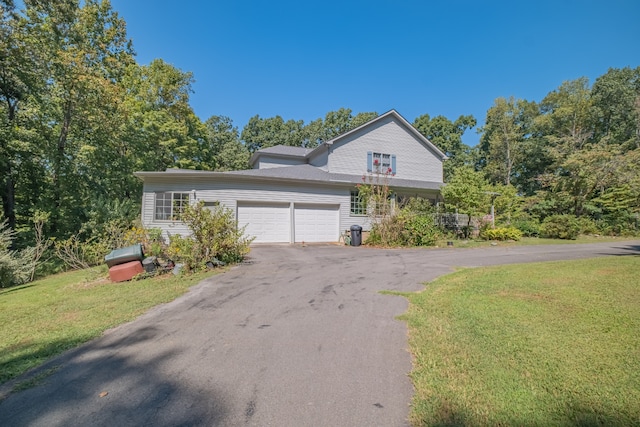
point(21, 77)
point(567, 119)
point(263, 133)
point(447, 136)
point(335, 123)
point(223, 139)
point(88, 51)
point(616, 98)
point(507, 127)
point(467, 192)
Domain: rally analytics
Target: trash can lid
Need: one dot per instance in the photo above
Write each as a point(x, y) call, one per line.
point(356, 228)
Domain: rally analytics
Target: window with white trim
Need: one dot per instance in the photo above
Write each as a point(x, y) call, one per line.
point(357, 207)
point(169, 206)
point(384, 163)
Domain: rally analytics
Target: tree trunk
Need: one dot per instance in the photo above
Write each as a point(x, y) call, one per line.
point(9, 197)
point(8, 185)
point(58, 166)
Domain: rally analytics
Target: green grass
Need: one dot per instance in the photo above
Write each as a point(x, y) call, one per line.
point(531, 241)
point(546, 344)
point(46, 317)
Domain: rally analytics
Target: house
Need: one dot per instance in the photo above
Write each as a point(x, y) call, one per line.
point(296, 194)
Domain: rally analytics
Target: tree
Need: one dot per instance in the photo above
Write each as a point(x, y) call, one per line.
point(335, 123)
point(507, 126)
point(87, 51)
point(21, 63)
point(262, 133)
point(222, 138)
point(616, 99)
point(466, 191)
point(567, 117)
point(447, 136)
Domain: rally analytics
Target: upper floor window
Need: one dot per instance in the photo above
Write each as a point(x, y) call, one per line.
point(381, 163)
point(169, 205)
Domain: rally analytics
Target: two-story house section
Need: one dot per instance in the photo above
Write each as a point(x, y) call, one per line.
point(295, 194)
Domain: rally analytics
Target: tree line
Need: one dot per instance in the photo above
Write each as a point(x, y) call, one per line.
point(79, 115)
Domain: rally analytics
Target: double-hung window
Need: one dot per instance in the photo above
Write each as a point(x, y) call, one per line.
point(169, 206)
point(384, 163)
point(357, 206)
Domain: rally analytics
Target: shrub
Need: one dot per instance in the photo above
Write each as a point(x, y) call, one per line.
point(560, 227)
point(16, 267)
point(528, 227)
point(501, 233)
point(151, 239)
point(181, 249)
point(421, 230)
point(78, 255)
point(413, 225)
point(587, 226)
point(215, 234)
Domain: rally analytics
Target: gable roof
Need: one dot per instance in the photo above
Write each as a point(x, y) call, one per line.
point(408, 126)
point(306, 153)
point(281, 151)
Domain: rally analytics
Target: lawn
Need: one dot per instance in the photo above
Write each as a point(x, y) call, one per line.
point(46, 317)
point(545, 344)
point(530, 241)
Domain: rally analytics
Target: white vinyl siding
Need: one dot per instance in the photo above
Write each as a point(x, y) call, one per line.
point(320, 160)
point(414, 159)
point(229, 193)
point(267, 162)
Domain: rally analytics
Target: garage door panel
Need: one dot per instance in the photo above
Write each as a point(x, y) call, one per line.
point(316, 223)
point(268, 222)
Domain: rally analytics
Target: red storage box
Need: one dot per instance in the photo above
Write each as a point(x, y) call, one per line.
point(126, 271)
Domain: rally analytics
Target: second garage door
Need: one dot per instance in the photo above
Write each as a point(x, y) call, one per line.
point(316, 223)
point(268, 222)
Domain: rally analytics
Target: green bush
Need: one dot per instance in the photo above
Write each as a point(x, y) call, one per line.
point(15, 266)
point(413, 225)
point(560, 227)
point(181, 249)
point(77, 254)
point(587, 225)
point(619, 224)
point(215, 234)
point(501, 233)
point(528, 227)
point(421, 230)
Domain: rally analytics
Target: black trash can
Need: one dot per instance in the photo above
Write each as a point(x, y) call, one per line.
point(356, 235)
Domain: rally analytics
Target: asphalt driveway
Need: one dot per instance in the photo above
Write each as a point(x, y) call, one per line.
point(297, 336)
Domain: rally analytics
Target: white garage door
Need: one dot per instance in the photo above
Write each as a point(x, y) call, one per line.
point(316, 223)
point(269, 222)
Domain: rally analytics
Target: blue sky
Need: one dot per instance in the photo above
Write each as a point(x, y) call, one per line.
point(301, 59)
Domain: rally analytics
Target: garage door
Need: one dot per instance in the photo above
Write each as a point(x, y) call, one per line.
point(316, 223)
point(269, 222)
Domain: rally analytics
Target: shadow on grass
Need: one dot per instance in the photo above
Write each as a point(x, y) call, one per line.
point(31, 355)
point(105, 383)
point(14, 289)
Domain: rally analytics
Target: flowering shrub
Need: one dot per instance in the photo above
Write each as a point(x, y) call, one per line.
point(150, 238)
point(501, 233)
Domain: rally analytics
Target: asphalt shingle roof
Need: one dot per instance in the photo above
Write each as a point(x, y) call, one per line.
point(286, 150)
point(312, 173)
